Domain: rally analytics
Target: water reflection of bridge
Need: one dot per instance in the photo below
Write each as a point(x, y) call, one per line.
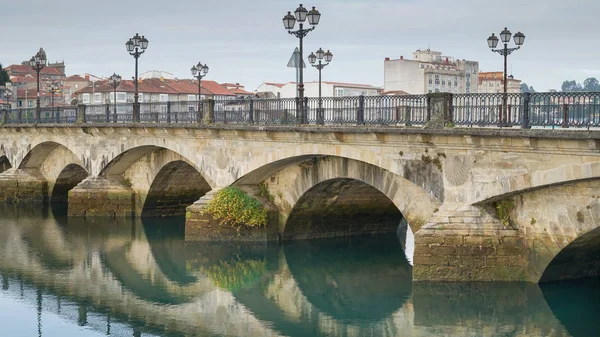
point(126, 277)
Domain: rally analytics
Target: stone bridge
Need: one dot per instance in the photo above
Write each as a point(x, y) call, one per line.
point(484, 204)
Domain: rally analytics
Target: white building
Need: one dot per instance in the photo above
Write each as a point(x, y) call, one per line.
point(493, 82)
point(430, 72)
point(311, 89)
point(156, 74)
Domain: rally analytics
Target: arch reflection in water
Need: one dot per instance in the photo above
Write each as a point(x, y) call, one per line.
point(129, 278)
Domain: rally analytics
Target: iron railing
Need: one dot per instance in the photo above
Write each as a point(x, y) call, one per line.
point(524, 110)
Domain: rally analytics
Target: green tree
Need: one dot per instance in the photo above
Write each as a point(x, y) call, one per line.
point(591, 84)
point(4, 78)
point(524, 87)
point(571, 86)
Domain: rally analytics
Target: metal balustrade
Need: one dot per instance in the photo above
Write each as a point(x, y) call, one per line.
point(524, 110)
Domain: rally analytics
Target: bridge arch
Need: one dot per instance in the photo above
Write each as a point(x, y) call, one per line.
point(579, 259)
point(305, 191)
point(164, 181)
point(4, 163)
point(513, 185)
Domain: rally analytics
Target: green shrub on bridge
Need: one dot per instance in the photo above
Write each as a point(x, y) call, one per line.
point(233, 207)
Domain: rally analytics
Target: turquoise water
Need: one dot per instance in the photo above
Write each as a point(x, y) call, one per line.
point(69, 277)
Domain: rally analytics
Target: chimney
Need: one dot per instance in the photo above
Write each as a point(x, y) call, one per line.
point(87, 77)
point(387, 58)
point(402, 57)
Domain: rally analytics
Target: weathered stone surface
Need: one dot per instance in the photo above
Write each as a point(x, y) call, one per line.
point(527, 166)
point(201, 226)
point(97, 197)
point(20, 187)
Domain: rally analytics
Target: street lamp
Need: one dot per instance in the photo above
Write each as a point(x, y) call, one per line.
point(53, 88)
point(115, 81)
point(199, 71)
point(37, 63)
point(312, 58)
point(136, 46)
point(289, 21)
point(492, 41)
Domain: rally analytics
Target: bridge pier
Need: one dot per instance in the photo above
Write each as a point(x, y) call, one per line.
point(200, 226)
point(19, 186)
point(465, 243)
point(101, 197)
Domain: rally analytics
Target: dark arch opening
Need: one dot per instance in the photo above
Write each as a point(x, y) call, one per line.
point(176, 186)
point(580, 259)
point(342, 207)
point(68, 178)
point(4, 164)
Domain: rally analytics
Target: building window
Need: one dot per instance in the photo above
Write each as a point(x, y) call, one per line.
point(437, 90)
point(339, 92)
point(98, 98)
point(443, 82)
point(429, 90)
point(430, 81)
point(191, 97)
point(121, 97)
point(86, 98)
point(20, 103)
point(29, 104)
point(164, 97)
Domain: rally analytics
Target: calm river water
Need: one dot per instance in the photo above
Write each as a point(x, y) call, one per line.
point(68, 277)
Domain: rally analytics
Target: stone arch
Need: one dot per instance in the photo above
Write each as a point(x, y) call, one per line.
point(123, 162)
point(579, 259)
point(163, 181)
point(175, 187)
point(68, 178)
point(558, 229)
point(40, 153)
point(4, 163)
point(260, 167)
point(512, 185)
point(292, 182)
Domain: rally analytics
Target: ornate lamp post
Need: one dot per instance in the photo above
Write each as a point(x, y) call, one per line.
point(37, 63)
point(289, 21)
point(136, 46)
point(492, 41)
point(312, 58)
point(199, 71)
point(115, 81)
point(53, 88)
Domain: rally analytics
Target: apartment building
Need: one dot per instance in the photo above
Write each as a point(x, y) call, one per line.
point(428, 72)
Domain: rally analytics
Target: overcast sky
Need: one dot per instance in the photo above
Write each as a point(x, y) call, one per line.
point(244, 41)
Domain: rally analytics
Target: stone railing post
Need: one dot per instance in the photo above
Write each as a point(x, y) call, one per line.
point(107, 112)
point(360, 112)
point(439, 110)
point(168, 112)
point(526, 111)
point(407, 116)
point(565, 121)
point(251, 114)
point(3, 116)
point(211, 111)
point(80, 114)
point(298, 112)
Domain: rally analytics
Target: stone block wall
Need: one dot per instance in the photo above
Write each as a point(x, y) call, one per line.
point(97, 197)
point(21, 188)
point(469, 245)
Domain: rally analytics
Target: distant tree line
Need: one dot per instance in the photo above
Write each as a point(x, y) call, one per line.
point(590, 84)
point(4, 78)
